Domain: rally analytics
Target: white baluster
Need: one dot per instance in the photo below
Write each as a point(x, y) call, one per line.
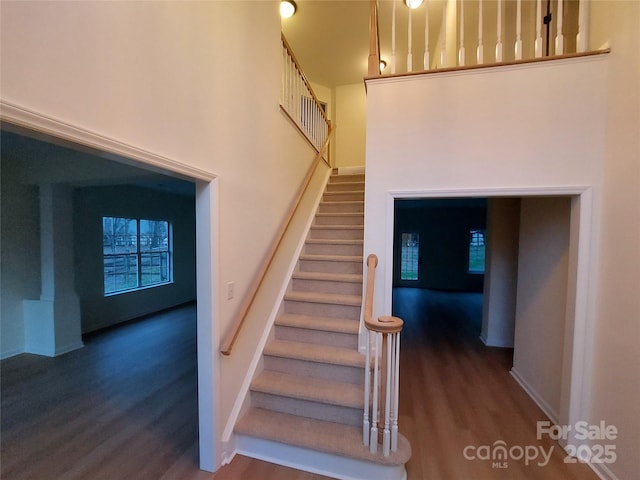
point(443, 29)
point(409, 53)
point(480, 51)
point(538, 43)
point(386, 436)
point(367, 390)
point(393, 37)
point(426, 61)
point(582, 39)
point(518, 30)
point(373, 441)
point(499, 43)
point(396, 393)
point(559, 35)
point(461, 51)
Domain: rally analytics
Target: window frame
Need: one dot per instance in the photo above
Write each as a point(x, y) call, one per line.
point(472, 233)
point(138, 253)
point(415, 260)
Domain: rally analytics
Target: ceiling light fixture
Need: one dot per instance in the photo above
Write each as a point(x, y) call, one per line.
point(383, 65)
point(413, 3)
point(288, 8)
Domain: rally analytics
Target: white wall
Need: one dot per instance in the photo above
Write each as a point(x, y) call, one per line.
point(616, 383)
point(350, 118)
point(541, 303)
point(501, 272)
point(178, 79)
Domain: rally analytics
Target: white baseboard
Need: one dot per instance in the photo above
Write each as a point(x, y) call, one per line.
point(495, 344)
point(321, 463)
point(535, 396)
point(69, 348)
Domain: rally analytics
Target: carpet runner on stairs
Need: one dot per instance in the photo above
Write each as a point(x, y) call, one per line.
point(310, 393)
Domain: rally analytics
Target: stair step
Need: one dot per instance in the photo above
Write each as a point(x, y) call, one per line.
point(340, 218)
point(327, 246)
point(337, 232)
point(342, 332)
point(355, 177)
point(329, 437)
point(315, 353)
point(312, 398)
point(344, 186)
point(350, 264)
point(322, 304)
point(352, 206)
point(326, 298)
point(330, 283)
point(313, 390)
point(351, 195)
point(324, 324)
point(329, 277)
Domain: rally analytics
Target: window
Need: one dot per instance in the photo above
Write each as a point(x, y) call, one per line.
point(476, 251)
point(409, 256)
point(137, 253)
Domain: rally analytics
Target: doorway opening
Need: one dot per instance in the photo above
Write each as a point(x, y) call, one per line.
point(530, 297)
point(94, 173)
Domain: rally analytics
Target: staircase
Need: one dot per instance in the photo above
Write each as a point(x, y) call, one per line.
point(306, 405)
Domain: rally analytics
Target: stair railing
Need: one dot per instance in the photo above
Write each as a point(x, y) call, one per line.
point(380, 419)
point(299, 102)
point(435, 31)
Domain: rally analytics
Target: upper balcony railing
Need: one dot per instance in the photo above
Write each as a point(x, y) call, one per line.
point(438, 34)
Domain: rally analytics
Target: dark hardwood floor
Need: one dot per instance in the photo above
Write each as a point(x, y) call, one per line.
point(456, 392)
point(125, 406)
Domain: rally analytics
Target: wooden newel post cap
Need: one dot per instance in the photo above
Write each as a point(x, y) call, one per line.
point(390, 324)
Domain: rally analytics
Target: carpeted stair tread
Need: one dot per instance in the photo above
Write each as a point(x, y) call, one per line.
point(329, 277)
point(336, 227)
point(326, 324)
point(330, 437)
point(336, 193)
point(332, 258)
point(315, 353)
point(327, 298)
point(334, 241)
point(340, 214)
point(311, 389)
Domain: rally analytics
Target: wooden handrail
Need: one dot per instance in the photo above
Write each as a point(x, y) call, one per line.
point(232, 335)
point(386, 323)
point(374, 41)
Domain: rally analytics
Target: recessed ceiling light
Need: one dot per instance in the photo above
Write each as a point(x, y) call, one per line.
point(413, 3)
point(288, 8)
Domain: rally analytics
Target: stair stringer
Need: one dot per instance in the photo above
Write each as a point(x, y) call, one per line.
point(228, 436)
point(322, 463)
